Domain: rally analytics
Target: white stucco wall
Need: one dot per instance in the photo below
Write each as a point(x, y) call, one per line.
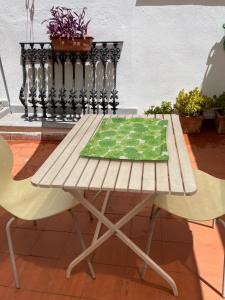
point(168, 44)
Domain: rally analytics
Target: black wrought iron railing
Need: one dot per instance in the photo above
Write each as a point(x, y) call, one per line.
point(67, 84)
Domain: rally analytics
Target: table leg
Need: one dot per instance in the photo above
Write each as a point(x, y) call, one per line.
point(99, 224)
point(153, 216)
point(115, 228)
point(83, 246)
point(108, 233)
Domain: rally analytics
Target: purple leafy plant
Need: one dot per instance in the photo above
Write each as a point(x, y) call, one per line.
point(66, 23)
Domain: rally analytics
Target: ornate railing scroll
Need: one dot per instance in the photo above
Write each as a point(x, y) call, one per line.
point(64, 85)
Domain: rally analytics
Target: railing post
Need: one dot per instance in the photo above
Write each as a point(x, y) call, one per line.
point(104, 56)
point(115, 56)
point(22, 89)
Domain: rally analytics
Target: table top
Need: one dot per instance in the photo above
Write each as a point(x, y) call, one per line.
point(66, 169)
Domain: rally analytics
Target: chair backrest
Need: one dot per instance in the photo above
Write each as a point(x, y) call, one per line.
point(6, 163)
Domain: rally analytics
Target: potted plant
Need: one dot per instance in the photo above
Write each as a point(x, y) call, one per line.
point(68, 30)
point(166, 107)
point(190, 107)
point(219, 104)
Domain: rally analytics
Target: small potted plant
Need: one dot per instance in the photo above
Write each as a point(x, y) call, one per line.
point(68, 29)
point(219, 104)
point(166, 107)
point(190, 107)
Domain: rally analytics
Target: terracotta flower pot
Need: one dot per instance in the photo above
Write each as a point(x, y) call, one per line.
point(219, 122)
point(76, 44)
point(191, 124)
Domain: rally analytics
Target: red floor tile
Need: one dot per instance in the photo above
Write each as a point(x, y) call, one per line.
point(155, 253)
point(109, 283)
point(176, 230)
point(50, 244)
point(6, 275)
point(36, 273)
point(140, 227)
point(12, 294)
point(23, 240)
point(60, 222)
point(178, 257)
point(73, 286)
point(72, 248)
point(113, 252)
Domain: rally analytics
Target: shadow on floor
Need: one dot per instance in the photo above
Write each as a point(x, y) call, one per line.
point(42, 152)
point(208, 149)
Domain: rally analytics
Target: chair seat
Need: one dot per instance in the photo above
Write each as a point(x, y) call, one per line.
point(28, 202)
point(206, 204)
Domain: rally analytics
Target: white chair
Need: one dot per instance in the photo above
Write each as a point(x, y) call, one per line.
point(207, 204)
point(27, 202)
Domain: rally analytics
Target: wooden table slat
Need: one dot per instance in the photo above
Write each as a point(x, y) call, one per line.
point(123, 176)
point(162, 180)
point(37, 177)
point(70, 168)
point(71, 182)
point(111, 175)
point(100, 173)
point(135, 183)
point(186, 169)
point(176, 182)
point(149, 169)
point(148, 179)
point(65, 155)
point(88, 173)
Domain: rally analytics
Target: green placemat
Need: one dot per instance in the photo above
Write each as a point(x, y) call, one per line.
point(129, 138)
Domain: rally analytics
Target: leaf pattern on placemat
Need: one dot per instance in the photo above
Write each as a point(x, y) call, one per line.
point(129, 139)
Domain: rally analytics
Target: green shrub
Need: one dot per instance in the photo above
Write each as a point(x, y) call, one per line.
point(165, 108)
point(219, 102)
point(192, 103)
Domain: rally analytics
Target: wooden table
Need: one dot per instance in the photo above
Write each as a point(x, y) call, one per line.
point(66, 169)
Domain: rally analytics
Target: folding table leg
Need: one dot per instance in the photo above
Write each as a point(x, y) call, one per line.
point(153, 216)
point(107, 234)
point(77, 227)
point(99, 224)
point(93, 201)
point(114, 228)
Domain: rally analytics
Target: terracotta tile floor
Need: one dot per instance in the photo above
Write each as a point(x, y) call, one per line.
point(192, 253)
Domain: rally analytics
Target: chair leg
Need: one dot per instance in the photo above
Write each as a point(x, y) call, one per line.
point(153, 216)
point(213, 223)
point(80, 236)
point(223, 286)
point(11, 252)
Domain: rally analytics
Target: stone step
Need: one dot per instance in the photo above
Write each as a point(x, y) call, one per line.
point(15, 127)
point(3, 111)
point(44, 136)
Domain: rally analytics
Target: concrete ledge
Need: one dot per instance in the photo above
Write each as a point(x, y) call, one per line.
point(4, 111)
point(53, 136)
point(15, 127)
